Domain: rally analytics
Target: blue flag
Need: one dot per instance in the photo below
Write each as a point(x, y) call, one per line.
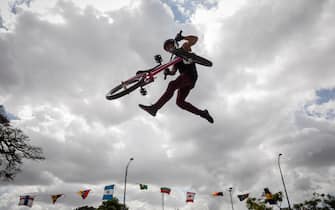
point(108, 194)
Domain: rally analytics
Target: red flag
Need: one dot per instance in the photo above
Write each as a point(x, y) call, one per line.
point(217, 193)
point(165, 190)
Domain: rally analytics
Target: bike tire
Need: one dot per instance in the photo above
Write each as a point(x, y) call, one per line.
point(195, 58)
point(120, 91)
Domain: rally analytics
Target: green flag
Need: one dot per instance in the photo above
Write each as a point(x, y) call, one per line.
point(143, 186)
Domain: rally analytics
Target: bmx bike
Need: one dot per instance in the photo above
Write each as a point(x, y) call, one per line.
point(145, 77)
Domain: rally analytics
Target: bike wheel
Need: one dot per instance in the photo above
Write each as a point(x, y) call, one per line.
point(194, 58)
point(123, 89)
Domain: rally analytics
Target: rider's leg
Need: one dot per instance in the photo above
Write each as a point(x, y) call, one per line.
point(184, 84)
point(167, 95)
point(182, 94)
point(172, 86)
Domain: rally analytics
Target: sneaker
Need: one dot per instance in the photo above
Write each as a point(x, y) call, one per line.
point(207, 116)
point(150, 109)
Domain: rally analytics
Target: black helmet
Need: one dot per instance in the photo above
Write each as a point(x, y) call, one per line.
point(169, 42)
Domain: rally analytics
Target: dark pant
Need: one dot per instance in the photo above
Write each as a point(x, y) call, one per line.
point(183, 84)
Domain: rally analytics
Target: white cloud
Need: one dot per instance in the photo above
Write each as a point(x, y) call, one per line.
point(269, 59)
point(2, 23)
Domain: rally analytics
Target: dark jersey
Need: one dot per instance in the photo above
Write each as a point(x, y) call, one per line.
point(189, 69)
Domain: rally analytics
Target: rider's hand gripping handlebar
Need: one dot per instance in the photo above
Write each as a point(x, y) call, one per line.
point(179, 36)
point(166, 73)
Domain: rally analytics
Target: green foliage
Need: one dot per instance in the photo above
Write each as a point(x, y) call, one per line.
point(278, 197)
point(111, 205)
point(317, 202)
point(106, 205)
point(85, 208)
point(257, 204)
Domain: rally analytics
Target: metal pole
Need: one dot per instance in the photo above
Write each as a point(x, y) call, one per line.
point(231, 198)
point(282, 178)
point(125, 184)
point(163, 201)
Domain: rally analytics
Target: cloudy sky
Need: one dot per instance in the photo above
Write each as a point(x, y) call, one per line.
point(271, 90)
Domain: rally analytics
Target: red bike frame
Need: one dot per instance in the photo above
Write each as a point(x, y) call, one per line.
point(164, 66)
point(149, 76)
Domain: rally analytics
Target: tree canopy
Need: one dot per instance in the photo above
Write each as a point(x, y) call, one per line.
point(106, 205)
point(14, 147)
point(317, 202)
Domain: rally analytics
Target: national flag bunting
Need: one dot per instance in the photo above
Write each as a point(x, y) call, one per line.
point(242, 197)
point(143, 186)
point(269, 197)
point(109, 191)
point(55, 197)
point(165, 190)
point(217, 193)
point(83, 193)
point(190, 197)
point(26, 200)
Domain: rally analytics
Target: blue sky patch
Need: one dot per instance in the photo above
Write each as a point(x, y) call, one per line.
point(184, 9)
point(323, 96)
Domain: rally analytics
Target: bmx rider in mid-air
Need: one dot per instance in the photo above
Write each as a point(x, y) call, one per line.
point(184, 83)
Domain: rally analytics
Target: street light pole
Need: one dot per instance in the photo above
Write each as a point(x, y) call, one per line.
point(282, 178)
point(125, 183)
point(231, 198)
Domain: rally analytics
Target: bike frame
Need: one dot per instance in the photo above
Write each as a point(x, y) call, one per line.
point(149, 76)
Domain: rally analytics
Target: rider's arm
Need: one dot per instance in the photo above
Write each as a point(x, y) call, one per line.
point(190, 41)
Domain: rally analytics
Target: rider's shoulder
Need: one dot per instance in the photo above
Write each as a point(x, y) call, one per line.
point(186, 46)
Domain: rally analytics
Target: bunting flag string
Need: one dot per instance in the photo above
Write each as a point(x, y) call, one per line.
point(28, 199)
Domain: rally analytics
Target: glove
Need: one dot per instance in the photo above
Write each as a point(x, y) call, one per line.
point(179, 37)
point(167, 72)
